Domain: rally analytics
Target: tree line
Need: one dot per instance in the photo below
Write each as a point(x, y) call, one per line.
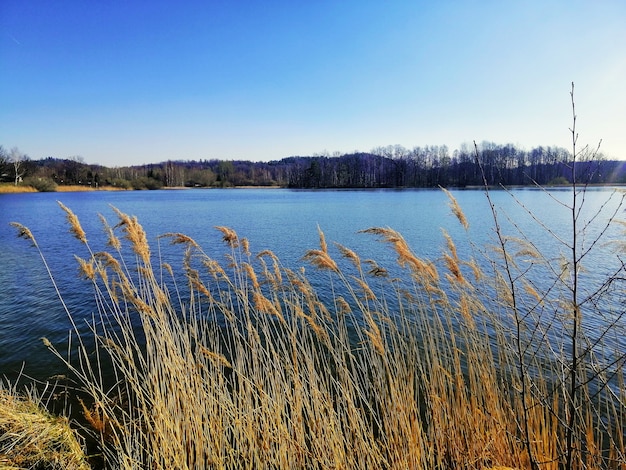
point(382, 167)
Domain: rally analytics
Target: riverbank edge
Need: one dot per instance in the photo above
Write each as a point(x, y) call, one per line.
point(11, 189)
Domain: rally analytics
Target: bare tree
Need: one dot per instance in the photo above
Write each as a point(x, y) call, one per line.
point(4, 162)
point(584, 393)
point(17, 158)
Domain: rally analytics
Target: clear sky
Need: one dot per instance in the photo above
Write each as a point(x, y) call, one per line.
point(122, 82)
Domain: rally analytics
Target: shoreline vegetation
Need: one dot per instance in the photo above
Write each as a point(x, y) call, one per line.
point(382, 167)
point(9, 188)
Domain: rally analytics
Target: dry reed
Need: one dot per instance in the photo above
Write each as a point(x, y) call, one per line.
point(250, 368)
point(10, 188)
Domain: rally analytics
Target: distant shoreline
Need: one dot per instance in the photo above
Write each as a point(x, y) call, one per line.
point(12, 189)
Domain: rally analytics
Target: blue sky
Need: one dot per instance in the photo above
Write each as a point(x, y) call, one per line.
point(131, 82)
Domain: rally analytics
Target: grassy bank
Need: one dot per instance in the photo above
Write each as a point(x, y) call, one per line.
point(7, 188)
point(78, 188)
point(32, 438)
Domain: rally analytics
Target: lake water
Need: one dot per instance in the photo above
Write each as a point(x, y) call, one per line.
point(284, 221)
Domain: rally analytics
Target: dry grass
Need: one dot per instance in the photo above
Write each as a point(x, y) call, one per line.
point(74, 188)
point(32, 438)
point(9, 188)
point(248, 367)
point(78, 187)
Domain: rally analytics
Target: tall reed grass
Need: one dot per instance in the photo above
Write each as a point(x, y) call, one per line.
point(9, 188)
point(242, 363)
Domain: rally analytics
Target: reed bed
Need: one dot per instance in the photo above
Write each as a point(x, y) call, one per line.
point(10, 188)
point(64, 188)
point(245, 365)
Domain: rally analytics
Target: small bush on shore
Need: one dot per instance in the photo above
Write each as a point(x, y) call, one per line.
point(41, 184)
point(121, 183)
point(145, 182)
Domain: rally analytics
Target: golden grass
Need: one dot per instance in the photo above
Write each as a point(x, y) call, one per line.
point(80, 188)
point(247, 366)
point(32, 438)
point(9, 188)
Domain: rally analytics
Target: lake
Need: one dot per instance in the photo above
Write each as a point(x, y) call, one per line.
point(284, 221)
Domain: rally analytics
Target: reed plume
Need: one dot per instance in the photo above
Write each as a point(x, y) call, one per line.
point(321, 260)
point(456, 209)
point(112, 240)
point(24, 232)
point(75, 228)
point(406, 257)
point(229, 236)
point(135, 234)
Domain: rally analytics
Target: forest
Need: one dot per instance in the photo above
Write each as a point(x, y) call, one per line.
point(392, 166)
